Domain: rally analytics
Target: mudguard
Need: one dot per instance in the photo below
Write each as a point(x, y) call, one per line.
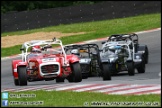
point(14, 67)
point(142, 48)
point(73, 59)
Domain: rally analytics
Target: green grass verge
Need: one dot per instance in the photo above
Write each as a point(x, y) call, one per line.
point(80, 99)
point(97, 29)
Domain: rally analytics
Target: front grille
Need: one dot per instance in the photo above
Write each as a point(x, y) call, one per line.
point(52, 68)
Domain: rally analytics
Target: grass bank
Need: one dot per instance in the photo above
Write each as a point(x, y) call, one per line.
point(81, 99)
point(97, 29)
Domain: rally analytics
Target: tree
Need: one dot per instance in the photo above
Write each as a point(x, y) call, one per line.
point(7, 6)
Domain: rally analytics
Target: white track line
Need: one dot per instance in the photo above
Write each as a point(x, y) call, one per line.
point(100, 87)
point(160, 74)
point(71, 87)
point(92, 88)
point(137, 90)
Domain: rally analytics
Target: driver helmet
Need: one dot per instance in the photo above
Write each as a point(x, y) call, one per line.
point(36, 48)
point(75, 52)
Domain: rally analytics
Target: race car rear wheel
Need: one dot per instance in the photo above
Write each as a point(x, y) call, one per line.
point(106, 71)
point(146, 55)
point(130, 66)
point(16, 82)
point(22, 75)
point(146, 52)
point(59, 80)
point(141, 68)
point(76, 75)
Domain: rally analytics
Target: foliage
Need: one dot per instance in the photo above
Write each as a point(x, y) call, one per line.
point(7, 6)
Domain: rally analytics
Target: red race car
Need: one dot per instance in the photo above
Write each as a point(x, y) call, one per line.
point(43, 62)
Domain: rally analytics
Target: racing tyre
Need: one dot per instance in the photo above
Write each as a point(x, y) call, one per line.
point(59, 80)
point(22, 75)
point(145, 49)
point(76, 75)
point(141, 68)
point(106, 71)
point(146, 55)
point(16, 82)
point(131, 70)
point(85, 76)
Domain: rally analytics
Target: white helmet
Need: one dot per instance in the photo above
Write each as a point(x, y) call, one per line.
point(75, 51)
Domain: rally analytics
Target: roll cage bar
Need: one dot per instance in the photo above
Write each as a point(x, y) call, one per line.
point(82, 47)
point(85, 47)
point(32, 43)
point(124, 37)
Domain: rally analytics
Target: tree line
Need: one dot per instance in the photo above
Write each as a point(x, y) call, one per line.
point(7, 6)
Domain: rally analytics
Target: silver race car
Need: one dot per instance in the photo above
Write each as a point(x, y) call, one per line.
point(123, 53)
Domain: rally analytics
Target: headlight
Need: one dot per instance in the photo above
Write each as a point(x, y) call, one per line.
point(112, 59)
point(137, 57)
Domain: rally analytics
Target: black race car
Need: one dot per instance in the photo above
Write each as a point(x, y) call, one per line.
point(90, 62)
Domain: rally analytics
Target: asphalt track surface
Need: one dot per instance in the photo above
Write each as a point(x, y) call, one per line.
point(151, 78)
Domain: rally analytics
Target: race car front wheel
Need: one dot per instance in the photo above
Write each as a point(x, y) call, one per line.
point(141, 68)
point(16, 82)
point(130, 67)
point(106, 71)
point(22, 75)
point(76, 75)
point(146, 55)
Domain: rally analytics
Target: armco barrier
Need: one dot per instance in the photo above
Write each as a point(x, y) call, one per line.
point(26, 20)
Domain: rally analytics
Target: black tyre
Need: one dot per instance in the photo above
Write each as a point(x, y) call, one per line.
point(22, 76)
point(85, 76)
point(76, 75)
point(131, 69)
point(70, 78)
point(146, 55)
point(106, 71)
point(141, 68)
point(16, 82)
point(144, 48)
point(59, 80)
